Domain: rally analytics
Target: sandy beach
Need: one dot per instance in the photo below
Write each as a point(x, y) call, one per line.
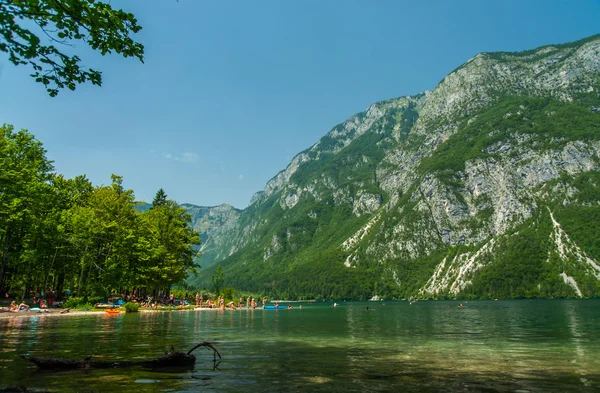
point(5, 313)
point(60, 312)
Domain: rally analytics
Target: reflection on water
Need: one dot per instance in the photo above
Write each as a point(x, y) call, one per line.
point(505, 346)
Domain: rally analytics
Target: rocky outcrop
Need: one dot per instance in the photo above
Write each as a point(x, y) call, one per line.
point(213, 224)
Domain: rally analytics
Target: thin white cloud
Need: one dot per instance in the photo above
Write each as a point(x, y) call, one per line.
point(189, 157)
point(186, 157)
point(241, 177)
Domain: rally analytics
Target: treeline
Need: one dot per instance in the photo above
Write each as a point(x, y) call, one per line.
point(59, 234)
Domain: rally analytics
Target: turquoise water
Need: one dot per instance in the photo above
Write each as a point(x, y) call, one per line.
point(429, 346)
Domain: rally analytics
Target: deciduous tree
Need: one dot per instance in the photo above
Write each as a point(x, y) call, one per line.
point(63, 22)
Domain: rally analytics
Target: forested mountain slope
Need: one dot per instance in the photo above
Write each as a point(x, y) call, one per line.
point(487, 186)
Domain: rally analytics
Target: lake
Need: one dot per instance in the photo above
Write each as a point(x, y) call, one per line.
point(429, 346)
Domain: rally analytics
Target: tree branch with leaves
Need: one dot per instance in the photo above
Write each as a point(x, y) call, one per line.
point(62, 22)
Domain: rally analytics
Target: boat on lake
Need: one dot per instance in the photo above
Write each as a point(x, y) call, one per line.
point(274, 307)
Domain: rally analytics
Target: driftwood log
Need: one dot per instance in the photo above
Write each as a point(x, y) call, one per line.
point(172, 359)
point(20, 389)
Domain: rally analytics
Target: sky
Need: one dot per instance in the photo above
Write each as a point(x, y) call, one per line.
point(230, 91)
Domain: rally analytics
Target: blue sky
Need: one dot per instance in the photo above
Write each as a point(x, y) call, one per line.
point(230, 91)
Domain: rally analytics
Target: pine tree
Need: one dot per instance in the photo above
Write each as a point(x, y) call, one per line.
point(160, 199)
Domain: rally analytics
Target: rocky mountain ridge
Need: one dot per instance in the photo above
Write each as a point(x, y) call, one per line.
point(482, 187)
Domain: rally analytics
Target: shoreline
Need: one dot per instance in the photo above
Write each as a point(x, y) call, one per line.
point(6, 314)
point(59, 312)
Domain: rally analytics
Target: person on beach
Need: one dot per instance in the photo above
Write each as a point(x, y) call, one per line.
point(197, 299)
point(23, 307)
point(264, 301)
point(240, 303)
point(50, 297)
point(248, 304)
point(43, 304)
point(13, 306)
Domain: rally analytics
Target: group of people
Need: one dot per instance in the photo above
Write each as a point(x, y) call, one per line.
point(220, 303)
point(200, 302)
point(48, 301)
point(39, 302)
point(16, 308)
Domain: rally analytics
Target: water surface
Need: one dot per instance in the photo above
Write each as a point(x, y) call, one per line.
point(503, 346)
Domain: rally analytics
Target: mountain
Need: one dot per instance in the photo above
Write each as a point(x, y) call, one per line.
point(485, 187)
point(143, 206)
point(212, 223)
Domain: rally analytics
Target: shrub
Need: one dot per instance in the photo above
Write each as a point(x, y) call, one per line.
point(82, 302)
point(75, 302)
point(131, 307)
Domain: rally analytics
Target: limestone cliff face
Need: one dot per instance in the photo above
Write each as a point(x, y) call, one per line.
point(430, 195)
point(212, 223)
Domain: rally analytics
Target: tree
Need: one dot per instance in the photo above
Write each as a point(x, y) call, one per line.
point(166, 246)
point(104, 235)
point(63, 21)
point(160, 199)
point(25, 173)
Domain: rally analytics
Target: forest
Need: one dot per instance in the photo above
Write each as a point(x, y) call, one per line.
point(61, 235)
